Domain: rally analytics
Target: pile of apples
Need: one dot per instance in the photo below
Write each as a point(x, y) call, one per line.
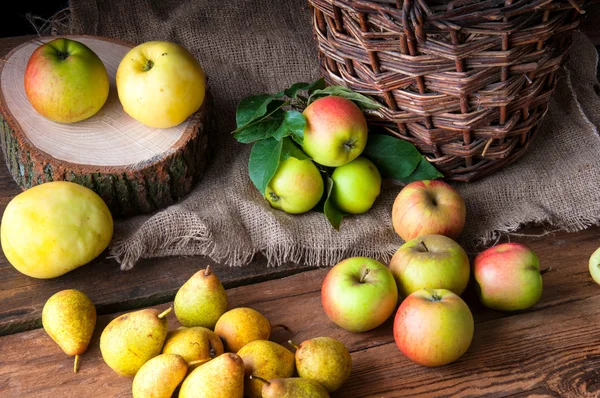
point(335, 136)
point(159, 84)
point(433, 326)
point(217, 352)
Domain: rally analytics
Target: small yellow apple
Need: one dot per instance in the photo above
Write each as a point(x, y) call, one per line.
point(160, 84)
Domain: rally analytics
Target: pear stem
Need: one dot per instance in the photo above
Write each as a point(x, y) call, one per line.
point(76, 364)
point(281, 325)
point(198, 362)
point(422, 244)
point(252, 377)
point(165, 312)
point(296, 346)
point(364, 275)
point(207, 271)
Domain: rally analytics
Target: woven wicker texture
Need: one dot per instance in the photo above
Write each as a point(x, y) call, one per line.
point(466, 81)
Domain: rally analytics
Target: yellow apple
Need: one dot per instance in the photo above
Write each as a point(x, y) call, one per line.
point(160, 84)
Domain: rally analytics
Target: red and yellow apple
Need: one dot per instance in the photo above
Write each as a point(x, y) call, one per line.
point(65, 81)
point(508, 277)
point(359, 294)
point(356, 186)
point(433, 327)
point(426, 208)
point(595, 266)
point(160, 84)
point(296, 187)
point(335, 132)
point(430, 261)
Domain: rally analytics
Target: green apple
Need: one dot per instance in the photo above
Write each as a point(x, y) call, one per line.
point(430, 261)
point(595, 266)
point(296, 187)
point(160, 84)
point(335, 132)
point(433, 327)
point(508, 277)
point(356, 186)
point(65, 81)
point(359, 294)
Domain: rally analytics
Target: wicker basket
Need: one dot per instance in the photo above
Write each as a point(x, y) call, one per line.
point(466, 81)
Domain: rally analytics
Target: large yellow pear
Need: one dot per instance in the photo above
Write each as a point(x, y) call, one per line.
point(160, 84)
point(54, 228)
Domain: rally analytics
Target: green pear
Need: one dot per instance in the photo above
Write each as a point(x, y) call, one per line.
point(159, 377)
point(324, 360)
point(193, 344)
point(201, 300)
point(132, 339)
point(267, 360)
point(223, 377)
point(240, 326)
point(69, 318)
point(292, 387)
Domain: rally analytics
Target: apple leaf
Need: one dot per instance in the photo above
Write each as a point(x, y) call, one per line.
point(362, 101)
point(293, 124)
point(424, 171)
point(333, 214)
point(263, 162)
point(292, 92)
point(394, 157)
point(263, 128)
point(288, 149)
point(251, 108)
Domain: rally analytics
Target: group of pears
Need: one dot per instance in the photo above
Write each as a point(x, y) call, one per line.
point(216, 353)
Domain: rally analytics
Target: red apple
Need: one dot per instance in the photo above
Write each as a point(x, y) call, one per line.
point(433, 327)
point(335, 132)
point(65, 81)
point(428, 208)
point(508, 277)
point(359, 294)
point(430, 261)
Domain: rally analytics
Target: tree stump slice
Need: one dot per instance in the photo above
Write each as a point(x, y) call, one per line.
point(135, 168)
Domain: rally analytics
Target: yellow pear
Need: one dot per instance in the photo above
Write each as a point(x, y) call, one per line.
point(159, 377)
point(223, 377)
point(132, 339)
point(193, 343)
point(324, 360)
point(69, 318)
point(240, 326)
point(291, 387)
point(201, 300)
point(267, 360)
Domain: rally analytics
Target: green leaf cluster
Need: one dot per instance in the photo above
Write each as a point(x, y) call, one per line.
point(275, 126)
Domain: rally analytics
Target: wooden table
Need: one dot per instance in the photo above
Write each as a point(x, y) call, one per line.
point(550, 350)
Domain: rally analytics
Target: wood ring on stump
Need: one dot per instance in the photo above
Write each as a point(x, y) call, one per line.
point(134, 168)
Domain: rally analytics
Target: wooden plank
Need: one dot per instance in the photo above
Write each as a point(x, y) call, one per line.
point(549, 350)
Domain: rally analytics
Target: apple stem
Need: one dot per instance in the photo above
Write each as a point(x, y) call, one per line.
point(424, 246)
point(76, 364)
point(207, 271)
point(545, 271)
point(165, 313)
point(364, 275)
point(296, 346)
point(252, 377)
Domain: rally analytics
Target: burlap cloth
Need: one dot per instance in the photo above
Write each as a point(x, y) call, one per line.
point(261, 46)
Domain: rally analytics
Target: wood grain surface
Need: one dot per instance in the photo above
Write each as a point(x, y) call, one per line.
point(550, 350)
